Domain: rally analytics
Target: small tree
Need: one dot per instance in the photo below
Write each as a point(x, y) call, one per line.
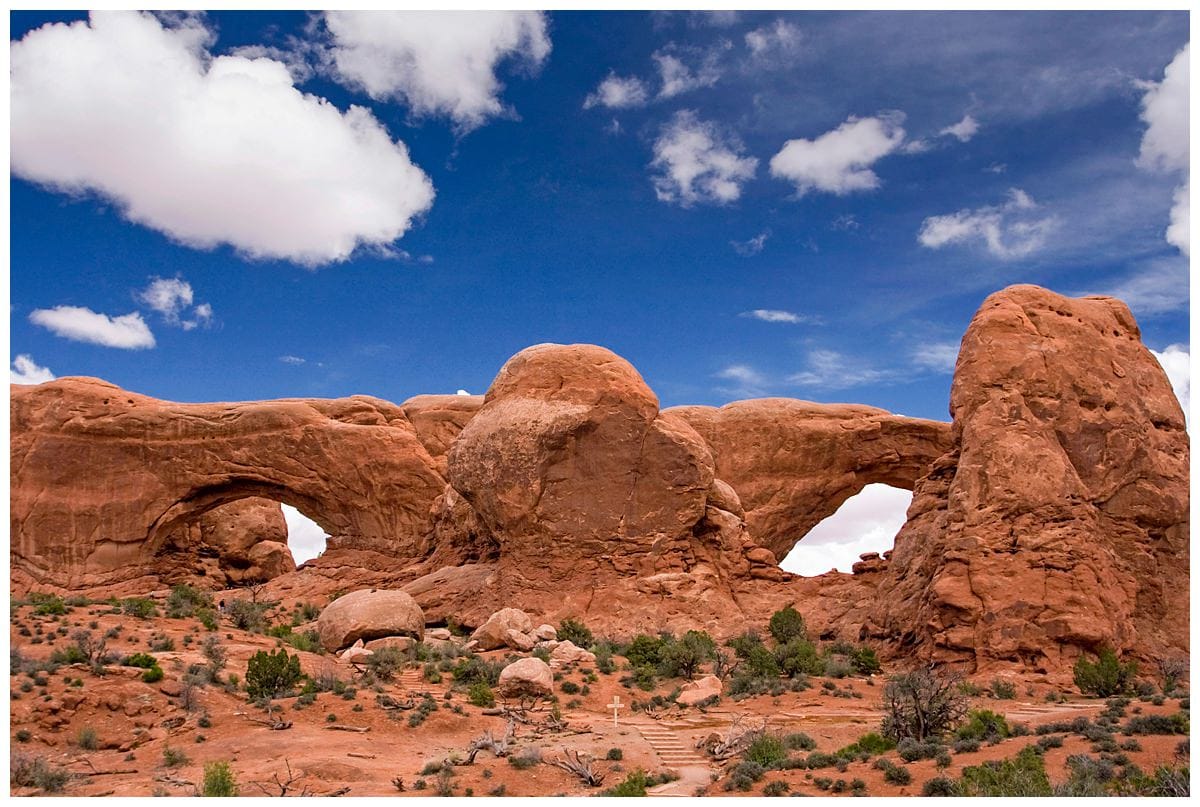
point(269, 674)
point(1106, 676)
point(219, 780)
point(1173, 670)
point(921, 705)
point(685, 656)
point(787, 624)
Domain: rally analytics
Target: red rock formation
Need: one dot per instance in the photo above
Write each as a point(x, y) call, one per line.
point(1059, 523)
point(241, 542)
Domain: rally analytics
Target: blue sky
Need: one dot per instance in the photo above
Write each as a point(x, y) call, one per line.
point(802, 204)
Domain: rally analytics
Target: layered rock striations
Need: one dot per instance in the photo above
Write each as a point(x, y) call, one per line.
point(1048, 519)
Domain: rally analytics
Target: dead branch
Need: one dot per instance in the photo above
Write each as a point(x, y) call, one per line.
point(360, 756)
point(487, 742)
point(739, 736)
point(581, 767)
point(343, 727)
point(284, 786)
point(389, 703)
point(341, 791)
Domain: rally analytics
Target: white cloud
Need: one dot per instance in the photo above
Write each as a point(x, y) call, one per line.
point(306, 539)
point(677, 77)
point(1176, 361)
point(918, 146)
point(752, 246)
point(462, 392)
point(293, 360)
point(775, 41)
point(208, 150)
point(829, 369)
point(1165, 143)
point(939, 357)
point(1008, 231)
point(698, 164)
point(964, 130)
point(615, 92)
point(1179, 233)
point(25, 370)
point(436, 62)
point(129, 332)
point(840, 161)
point(866, 522)
point(1165, 112)
point(743, 374)
point(774, 315)
point(201, 316)
point(168, 296)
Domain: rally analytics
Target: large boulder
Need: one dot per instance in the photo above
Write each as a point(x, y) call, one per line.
point(1058, 523)
point(494, 633)
point(526, 678)
point(369, 614)
point(570, 653)
point(700, 690)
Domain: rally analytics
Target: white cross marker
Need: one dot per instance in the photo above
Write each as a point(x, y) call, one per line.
point(615, 705)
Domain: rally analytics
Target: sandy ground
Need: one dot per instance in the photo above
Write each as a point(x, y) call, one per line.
point(135, 723)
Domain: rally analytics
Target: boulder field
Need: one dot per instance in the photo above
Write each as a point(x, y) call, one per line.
point(1049, 518)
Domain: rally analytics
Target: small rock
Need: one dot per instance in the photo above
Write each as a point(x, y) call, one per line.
point(546, 633)
point(172, 689)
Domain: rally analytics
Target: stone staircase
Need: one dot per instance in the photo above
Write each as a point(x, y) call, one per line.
point(674, 749)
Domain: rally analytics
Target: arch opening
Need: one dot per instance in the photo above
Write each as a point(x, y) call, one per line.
point(866, 522)
point(306, 539)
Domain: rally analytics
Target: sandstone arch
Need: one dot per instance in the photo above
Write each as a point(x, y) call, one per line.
point(101, 475)
point(793, 463)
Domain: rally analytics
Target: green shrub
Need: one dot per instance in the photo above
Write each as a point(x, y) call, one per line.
point(786, 624)
point(897, 775)
point(569, 687)
point(744, 775)
point(173, 757)
point(1104, 677)
point(634, 785)
point(799, 741)
point(138, 607)
point(766, 750)
point(185, 601)
point(1022, 775)
point(1003, 690)
point(939, 786)
point(574, 631)
point(143, 660)
point(480, 694)
point(644, 651)
point(152, 674)
point(920, 705)
point(615, 754)
point(796, 657)
point(475, 669)
point(219, 780)
point(983, 725)
point(385, 662)
point(865, 661)
point(1177, 723)
point(49, 605)
point(208, 618)
point(870, 743)
point(684, 657)
point(911, 750)
point(270, 674)
point(776, 788)
point(246, 615)
point(87, 739)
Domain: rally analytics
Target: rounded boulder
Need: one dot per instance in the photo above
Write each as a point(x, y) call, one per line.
point(370, 614)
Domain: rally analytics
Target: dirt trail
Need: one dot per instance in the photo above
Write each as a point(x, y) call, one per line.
point(677, 752)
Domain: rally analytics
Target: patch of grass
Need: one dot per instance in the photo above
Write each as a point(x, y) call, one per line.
point(87, 739)
point(1021, 775)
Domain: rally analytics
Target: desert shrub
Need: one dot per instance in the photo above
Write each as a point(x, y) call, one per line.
point(777, 788)
point(173, 757)
point(574, 631)
point(247, 615)
point(1158, 724)
point(897, 775)
point(767, 750)
point(70, 654)
point(744, 775)
point(48, 605)
point(870, 743)
point(139, 607)
point(219, 780)
point(480, 694)
point(837, 667)
point(528, 758)
point(965, 746)
point(161, 643)
point(208, 618)
point(939, 786)
point(633, 785)
point(1003, 690)
point(87, 739)
point(310, 642)
point(143, 660)
point(615, 754)
point(920, 705)
point(911, 750)
point(1021, 775)
point(799, 741)
point(1050, 741)
point(185, 601)
point(786, 625)
point(644, 651)
point(684, 656)
point(27, 771)
point(475, 669)
point(984, 725)
point(865, 661)
point(385, 662)
point(604, 662)
point(153, 674)
point(270, 674)
point(1104, 677)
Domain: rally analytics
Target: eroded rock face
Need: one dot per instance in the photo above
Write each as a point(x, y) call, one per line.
point(1059, 521)
point(241, 542)
point(791, 464)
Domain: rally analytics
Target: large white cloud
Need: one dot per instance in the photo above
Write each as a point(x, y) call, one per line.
point(1176, 361)
point(840, 160)
point(25, 370)
point(306, 539)
point(208, 150)
point(696, 163)
point(436, 62)
point(866, 522)
point(1165, 143)
point(1010, 230)
point(128, 332)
